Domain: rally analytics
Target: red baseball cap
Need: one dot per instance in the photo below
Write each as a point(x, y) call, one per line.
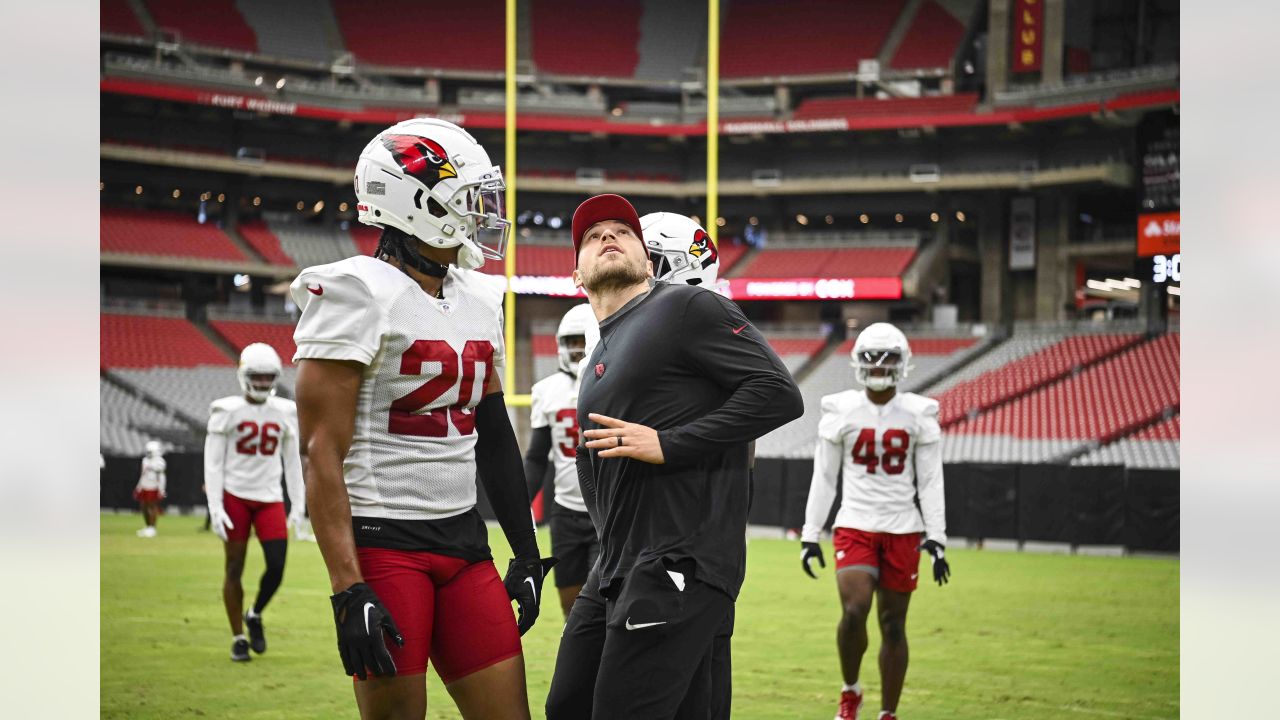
point(599, 208)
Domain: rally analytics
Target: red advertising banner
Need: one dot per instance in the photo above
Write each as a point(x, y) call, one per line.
point(1159, 233)
point(1028, 35)
point(869, 288)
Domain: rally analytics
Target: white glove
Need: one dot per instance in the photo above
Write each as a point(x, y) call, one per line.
point(220, 522)
point(297, 517)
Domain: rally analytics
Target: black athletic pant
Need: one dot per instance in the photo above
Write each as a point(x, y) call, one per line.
point(644, 652)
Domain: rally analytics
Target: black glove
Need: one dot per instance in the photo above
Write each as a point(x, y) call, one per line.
point(361, 620)
point(941, 570)
point(524, 585)
point(809, 551)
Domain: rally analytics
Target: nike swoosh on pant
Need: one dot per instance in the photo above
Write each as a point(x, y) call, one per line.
point(638, 626)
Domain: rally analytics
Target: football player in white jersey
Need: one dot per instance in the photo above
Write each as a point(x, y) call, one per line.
point(889, 446)
point(554, 436)
point(150, 488)
point(252, 438)
point(400, 361)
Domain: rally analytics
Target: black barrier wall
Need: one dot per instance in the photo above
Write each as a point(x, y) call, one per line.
point(1106, 505)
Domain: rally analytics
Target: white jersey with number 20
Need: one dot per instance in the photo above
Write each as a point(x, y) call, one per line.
point(426, 362)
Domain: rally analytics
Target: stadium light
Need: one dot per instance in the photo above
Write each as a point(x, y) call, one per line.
point(1097, 285)
point(555, 222)
point(802, 219)
point(864, 218)
point(830, 220)
point(1175, 291)
point(960, 215)
point(753, 220)
point(1133, 282)
point(933, 217)
point(720, 222)
point(897, 217)
point(177, 193)
point(616, 112)
point(342, 207)
point(257, 82)
point(319, 206)
point(222, 197)
point(257, 201)
point(696, 219)
point(300, 205)
point(101, 186)
point(137, 190)
point(280, 84)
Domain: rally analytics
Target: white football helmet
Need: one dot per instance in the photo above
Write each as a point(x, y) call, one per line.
point(430, 179)
point(681, 249)
point(881, 346)
point(258, 359)
point(154, 449)
point(576, 322)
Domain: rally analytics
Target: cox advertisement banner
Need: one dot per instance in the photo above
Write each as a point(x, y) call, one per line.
point(870, 288)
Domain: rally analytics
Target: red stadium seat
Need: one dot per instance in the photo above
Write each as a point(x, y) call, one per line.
point(365, 237)
point(1027, 373)
point(117, 17)
point(568, 36)
point(142, 341)
point(410, 33)
point(931, 41)
point(164, 233)
point(216, 23)
point(769, 38)
point(260, 237)
point(240, 334)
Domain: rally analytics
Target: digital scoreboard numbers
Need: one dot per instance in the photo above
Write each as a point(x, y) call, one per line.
point(1166, 268)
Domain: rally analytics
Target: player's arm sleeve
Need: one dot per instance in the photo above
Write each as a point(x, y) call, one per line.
point(293, 465)
point(215, 452)
point(827, 455)
point(722, 345)
point(163, 476)
point(502, 475)
point(343, 322)
point(928, 461)
point(535, 459)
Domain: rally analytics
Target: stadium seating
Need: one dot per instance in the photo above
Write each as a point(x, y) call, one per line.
point(931, 41)
point(290, 28)
point(768, 38)
point(139, 341)
point(241, 333)
point(1155, 447)
point(586, 37)
point(823, 107)
point(117, 17)
point(1065, 417)
point(190, 390)
point(365, 237)
point(408, 33)
point(795, 351)
point(215, 23)
point(127, 422)
point(164, 233)
point(1015, 378)
point(311, 243)
point(545, 359)
point(673, 34)
point(730, 254)
point(827, 262)
point(261, 239)
point(833, 374)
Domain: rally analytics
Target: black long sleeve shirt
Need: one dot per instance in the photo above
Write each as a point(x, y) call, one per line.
point(686, 362)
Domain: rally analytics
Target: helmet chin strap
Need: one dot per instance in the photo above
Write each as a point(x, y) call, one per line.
point(394, 243)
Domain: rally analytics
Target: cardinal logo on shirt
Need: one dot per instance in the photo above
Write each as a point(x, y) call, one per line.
point(420, 157)
point(599, 369)
point(702, 246)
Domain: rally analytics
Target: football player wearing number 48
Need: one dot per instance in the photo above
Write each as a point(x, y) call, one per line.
point(400, 361)
point(252, 438)
point(889, 446)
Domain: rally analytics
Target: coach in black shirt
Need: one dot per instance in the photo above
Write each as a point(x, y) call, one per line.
point(677, 387)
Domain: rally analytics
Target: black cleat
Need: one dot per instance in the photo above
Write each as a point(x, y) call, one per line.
point(240, 650)
point(257, 639)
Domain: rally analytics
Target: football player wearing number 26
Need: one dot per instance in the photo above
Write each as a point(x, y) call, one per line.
point(401, 408)
point(251, 439)
point(889, 446)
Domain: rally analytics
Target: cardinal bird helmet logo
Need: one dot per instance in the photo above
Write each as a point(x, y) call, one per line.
point(703, 245)
point(421, 158)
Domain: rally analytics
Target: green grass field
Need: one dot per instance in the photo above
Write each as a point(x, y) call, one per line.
point(1015, 635)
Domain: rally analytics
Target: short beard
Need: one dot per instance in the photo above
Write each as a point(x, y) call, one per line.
point(612, 278)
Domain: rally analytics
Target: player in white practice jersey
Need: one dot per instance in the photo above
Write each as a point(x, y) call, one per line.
point(554, 437)
point(252, 439)
point(150, 488)
point(400, 361)
point(889, 447)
